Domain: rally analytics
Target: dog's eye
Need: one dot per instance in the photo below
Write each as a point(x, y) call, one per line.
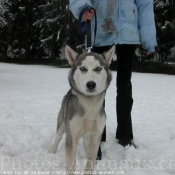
point(98, 69)
point(83, 69)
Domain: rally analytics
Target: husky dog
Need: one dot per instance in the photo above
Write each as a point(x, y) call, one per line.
point(82, 111)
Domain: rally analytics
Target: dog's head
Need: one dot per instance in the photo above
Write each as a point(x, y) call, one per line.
point(90, 74)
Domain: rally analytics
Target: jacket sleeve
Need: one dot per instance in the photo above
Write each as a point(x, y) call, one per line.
point(146, 24)
point(76, 6)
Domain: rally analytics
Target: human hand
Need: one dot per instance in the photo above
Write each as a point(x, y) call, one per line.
point(88, 15)
point(149, 55)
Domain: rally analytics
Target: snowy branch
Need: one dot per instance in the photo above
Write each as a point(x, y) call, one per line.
point(4, 4)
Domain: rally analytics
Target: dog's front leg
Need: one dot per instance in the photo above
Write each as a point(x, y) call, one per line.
point(71, 148)
point(92, 155)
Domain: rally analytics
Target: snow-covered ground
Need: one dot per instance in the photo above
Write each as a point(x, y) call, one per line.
point(30, 98)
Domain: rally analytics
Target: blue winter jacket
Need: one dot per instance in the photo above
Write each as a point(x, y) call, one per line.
point(121, 21)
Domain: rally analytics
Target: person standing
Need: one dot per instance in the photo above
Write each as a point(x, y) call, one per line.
point(125, 23)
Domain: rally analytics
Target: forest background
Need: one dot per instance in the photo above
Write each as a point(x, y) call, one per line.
point(36, 32)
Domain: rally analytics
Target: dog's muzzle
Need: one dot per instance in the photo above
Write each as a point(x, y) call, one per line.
point(91, 86)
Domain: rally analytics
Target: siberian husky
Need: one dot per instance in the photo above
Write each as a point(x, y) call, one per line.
point(82, 111)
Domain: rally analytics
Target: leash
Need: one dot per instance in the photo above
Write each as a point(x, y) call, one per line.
point(85, 28)
point(88, 37)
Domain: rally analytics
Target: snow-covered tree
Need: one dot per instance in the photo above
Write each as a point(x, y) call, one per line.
point(164, 16)
point(4, 4)
point(172, 56)
point(58, 26)
point(20, 39)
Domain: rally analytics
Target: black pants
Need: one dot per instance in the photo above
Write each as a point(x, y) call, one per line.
point(124, 101)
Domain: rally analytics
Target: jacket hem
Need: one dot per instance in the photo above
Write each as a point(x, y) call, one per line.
point(122, 42)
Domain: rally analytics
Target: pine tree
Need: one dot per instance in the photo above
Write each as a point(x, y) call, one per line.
point(4, 6)
point(22, 37)
point(58, 27)
point(164, 16)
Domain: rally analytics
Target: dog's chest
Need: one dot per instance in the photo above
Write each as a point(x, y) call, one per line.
point(92, 108)
point(93, 118)
point(89, 125)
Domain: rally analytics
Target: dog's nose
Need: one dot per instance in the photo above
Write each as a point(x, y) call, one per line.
point(91, 85)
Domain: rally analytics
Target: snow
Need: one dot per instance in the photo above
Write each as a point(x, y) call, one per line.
point(30, 98)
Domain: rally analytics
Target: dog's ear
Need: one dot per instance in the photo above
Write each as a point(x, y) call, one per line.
point(109, 55)
point(71, 55)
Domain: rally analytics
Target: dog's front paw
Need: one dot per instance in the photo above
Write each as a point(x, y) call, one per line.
point(53, 150)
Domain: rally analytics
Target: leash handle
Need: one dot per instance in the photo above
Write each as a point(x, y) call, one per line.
point(85, 28)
